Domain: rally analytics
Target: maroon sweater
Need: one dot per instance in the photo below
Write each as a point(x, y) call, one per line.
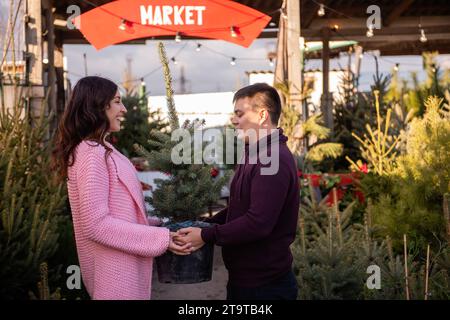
point(259, 224)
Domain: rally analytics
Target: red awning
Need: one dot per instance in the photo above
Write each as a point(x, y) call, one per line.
point(124, 20)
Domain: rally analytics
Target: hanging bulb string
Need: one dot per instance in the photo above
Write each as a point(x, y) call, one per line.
point(378, 57)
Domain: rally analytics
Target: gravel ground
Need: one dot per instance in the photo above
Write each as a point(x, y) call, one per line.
point(211, 290)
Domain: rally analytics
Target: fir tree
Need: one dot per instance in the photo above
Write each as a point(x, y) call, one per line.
point(31, 201)
point(137, 125)
point(190, 188)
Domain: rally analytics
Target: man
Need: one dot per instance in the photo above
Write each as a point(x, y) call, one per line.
point(259, 224)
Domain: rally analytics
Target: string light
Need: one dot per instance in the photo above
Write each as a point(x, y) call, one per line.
point(233, 32)
point(423, 37)
point(283, 13)
point(233, 61)
point(271, 62)
point(174, 61)
point(321, 11)
point(142, 82)
point(369, 33)
point(198, 47)
point(122, 25)
point(396, 67)
point(126, 25)
point(178, 37)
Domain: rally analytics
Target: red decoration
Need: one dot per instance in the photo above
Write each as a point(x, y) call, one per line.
point(146, 187)
point(214, 172)
point(346, 181)
point(364, 168)
point(125, 20)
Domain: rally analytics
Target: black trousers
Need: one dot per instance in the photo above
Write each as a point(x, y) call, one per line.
point(283, 288)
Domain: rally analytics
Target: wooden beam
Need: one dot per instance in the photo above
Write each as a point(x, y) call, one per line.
point(326, 104)
point(397, 11)
point(33, 47)
point(49, 68)
point(293, 48)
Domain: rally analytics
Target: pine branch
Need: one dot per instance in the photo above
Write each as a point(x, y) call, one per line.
point(173, 116)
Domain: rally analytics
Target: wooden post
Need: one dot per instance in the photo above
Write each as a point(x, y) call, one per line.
point(50, 86)
point(326, 103)
point(60, 78)
point(426, 272)
point(281, 57)
point(405, 251)
point(445, 203)
point(294, 58)
point(33, 47)
point(288, 64)
point(357, 66)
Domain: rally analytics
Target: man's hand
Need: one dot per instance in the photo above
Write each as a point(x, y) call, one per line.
point(179, 247)
point(191, 235)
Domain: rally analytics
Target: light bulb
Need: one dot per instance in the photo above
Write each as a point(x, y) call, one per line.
point(271, 62)
point(233, 32)
point(198, 47)
point(233, 61)
point(369, 33)
point(178, 37)
point(123, 25)
point(423, 37)
point(321, 11)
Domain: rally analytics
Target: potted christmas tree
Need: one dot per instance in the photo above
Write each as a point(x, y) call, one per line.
point(186, 193)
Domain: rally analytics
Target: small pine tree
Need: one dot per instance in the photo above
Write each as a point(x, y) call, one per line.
point(31, 201)
point(190, 188)
point(137, 125)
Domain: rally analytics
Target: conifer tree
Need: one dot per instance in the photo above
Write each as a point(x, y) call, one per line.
point(190, 188)
point(31, 202)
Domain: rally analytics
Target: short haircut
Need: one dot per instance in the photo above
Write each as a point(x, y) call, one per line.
point(263, 96)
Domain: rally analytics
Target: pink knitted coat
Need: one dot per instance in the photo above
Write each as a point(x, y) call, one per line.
point(115, 242)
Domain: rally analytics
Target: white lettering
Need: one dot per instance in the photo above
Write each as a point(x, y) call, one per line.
point(177, 15)
point(200, 10)
point(167, 10)
point(157, 18)
point(146, 15)
point(189, 15)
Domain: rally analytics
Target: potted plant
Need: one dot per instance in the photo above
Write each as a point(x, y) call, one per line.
point(185, 194)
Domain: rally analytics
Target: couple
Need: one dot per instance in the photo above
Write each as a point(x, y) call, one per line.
point(116, 242)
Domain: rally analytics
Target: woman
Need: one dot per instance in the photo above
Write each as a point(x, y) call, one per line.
point(115, 241)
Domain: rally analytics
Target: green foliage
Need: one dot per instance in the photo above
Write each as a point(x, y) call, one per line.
point(190, 188)
point(312, 130)
point(410, 199)
point(43, 287)
point(332, 254)
point(137, 126)
point(377, 144)
point(31, 201)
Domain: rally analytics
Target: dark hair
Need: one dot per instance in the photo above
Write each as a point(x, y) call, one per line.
point(263, 96)
point(83, 118)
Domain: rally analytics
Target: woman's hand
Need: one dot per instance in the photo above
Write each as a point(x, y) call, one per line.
point(193, 236)
point(178, 247)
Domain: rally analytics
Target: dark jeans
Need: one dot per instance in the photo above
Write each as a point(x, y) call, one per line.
point(283, 288)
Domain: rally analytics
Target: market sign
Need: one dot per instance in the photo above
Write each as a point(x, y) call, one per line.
point(124, 20)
